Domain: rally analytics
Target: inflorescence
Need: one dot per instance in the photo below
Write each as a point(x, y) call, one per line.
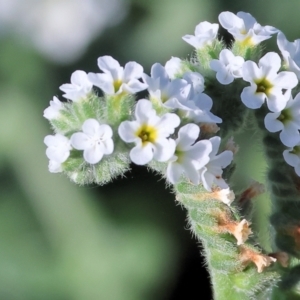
point(101, 128)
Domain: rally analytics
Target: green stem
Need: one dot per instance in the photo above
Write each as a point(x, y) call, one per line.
point(231, 277)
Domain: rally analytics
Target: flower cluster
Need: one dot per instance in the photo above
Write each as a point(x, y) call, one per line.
point(173, 130)
point(94, 133)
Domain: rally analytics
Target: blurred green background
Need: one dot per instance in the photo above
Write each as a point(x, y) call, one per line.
point(129, 239)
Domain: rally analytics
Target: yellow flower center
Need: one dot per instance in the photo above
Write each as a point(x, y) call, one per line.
point(180, 155)
point(263, 86)
point(147, 133)
point(296, 150)
point(117, 84)
point(285, 116)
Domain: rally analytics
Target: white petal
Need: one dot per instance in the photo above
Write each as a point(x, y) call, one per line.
point(164, 149)
point(141, 155)
point(173, 66)
point(127, 131)
point(215, 141)
point(144, 111)
point(286, 80)
point(103, 81)
point(252, 99)
point(251, 72)
point(158, 71)
point(271, 122)
point(270, 62)
point(291, 158)
point(80, 141)
point(223, 159)
point(187, 136)
point(104, 131)
point(109, 65)
point(93, 155)
point(54, 167)
point(132, 70)
point(290, 135)
point(203, 101)
point(174, 171)
point(224, 77)
point(197, 81)
point(108, 146)
point(200, 152)
point(134, 86)
point(191, 171)
point(228, 20)
point(206, 178)
point(167, 124)
point(215, 65)
point(90, 127)
point(276, 101)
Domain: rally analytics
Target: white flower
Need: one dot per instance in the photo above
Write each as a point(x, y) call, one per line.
point(95, 140)
point(266, 84)
point(53, 111)
point(58, 151)
point(58, 147)
point(205, 34)
point(173, 67)
point(245, 28)
point(161, 89)
point(149, 133)
point(188, 157)
point(212, 172)
point(292, 157)
point(79, 87)
point(227, 67)
point(287, 121)
point(115, 79)
point(54, 166)
point(290, 52)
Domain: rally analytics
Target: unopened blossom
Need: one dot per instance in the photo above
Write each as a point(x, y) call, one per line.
point(287, 121)
point(244, 27)
point(228, 66)
point(173, 67)
point(162, 89)
point(115, 79)
point(205, 34)
point(266, 84)
point(189, 156)
point(149, 133)
point(95, 140)
point(292, 157)
point(211, 173)
point(53, 111)
point(79, 87)
point(290, 52)
point(58, 151)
